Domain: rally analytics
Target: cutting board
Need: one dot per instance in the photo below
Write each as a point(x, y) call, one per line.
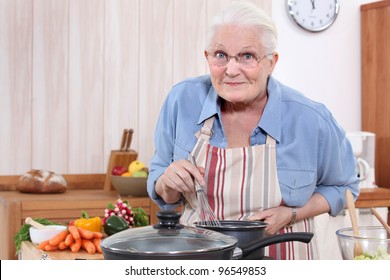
point(29, 251)
point(122, 157)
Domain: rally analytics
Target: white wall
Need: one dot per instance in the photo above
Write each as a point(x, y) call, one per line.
point(324, 66)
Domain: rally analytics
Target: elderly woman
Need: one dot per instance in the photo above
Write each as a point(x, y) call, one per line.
point(263, 150)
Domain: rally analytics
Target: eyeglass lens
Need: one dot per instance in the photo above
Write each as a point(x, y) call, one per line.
point(245, 59)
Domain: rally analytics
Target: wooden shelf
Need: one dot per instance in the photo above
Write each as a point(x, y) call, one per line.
point(375, 197)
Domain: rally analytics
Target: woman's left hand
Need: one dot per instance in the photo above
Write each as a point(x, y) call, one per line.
point(276, 218)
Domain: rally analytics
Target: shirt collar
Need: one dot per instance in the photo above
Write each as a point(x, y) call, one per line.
point(211, 106)
point(271, 119)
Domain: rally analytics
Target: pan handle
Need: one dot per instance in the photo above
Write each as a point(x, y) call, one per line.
point(304, 237)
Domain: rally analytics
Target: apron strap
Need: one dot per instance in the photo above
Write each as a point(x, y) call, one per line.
point(206, 131)
point(270, 141)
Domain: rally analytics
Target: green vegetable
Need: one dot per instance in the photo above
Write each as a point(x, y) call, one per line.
point(140, 217)
point(115, 224)
point(24, 233)
point(379, 254)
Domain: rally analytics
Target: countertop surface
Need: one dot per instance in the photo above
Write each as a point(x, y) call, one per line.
point(29, 251)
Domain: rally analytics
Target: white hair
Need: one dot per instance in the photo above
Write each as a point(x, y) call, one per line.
point(243, 13)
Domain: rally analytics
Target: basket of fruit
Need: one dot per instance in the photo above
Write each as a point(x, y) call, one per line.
point(131, 180)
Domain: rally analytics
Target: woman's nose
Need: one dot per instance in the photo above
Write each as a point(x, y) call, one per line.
point(233, 68)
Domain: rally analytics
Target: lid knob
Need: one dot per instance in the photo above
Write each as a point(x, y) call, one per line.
point(168, 219)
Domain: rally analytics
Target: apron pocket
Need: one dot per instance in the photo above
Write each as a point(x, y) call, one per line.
point(299, 184)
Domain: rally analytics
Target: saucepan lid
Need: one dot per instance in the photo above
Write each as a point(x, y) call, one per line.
point(167, 237)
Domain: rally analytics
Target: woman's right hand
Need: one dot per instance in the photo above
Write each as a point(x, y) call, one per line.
point(178, 178)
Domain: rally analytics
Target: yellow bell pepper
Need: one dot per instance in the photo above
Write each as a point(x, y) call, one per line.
point(92, 224)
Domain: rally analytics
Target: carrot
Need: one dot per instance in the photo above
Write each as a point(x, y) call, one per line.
point(49, 247)
point(84, 233)
point(75, 233)
point(69, 239)
point(88, 246)
point(62, 246)
point(54, 241)
point(75, 247)
point(43, 244)
point(96, 242)
point(97, 234)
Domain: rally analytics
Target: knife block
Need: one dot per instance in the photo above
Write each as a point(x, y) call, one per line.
point(118, 158)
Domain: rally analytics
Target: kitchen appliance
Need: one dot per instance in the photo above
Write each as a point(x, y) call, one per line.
point(171, 240)
point(363, 146)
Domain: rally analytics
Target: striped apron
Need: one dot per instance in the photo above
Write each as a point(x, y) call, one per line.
point(241, 181)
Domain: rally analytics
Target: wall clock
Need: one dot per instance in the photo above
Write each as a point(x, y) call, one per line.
point(313, 15)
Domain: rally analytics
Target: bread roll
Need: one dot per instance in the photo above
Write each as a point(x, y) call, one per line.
point(41, 181)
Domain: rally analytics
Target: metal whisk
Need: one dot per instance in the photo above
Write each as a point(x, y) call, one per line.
point(205, 214)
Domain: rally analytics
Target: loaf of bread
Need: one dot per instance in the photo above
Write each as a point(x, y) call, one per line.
point(41, 181)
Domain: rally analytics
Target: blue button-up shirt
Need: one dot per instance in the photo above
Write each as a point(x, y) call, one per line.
point(313, 154)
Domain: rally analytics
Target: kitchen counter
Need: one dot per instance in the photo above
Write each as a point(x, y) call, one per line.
point(375, 197)
point(29, 251)
point(15, 207)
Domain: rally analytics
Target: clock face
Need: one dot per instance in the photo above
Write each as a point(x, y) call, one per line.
point(313, 15)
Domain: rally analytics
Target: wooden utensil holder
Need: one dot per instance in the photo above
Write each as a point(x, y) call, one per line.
point(122, 157)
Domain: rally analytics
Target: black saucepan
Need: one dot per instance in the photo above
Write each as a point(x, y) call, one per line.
point(171, 240)
point(251, 237)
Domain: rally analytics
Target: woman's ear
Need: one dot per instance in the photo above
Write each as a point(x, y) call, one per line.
point(273, 61)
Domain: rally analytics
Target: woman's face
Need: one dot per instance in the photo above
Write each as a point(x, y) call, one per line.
point(236, 82)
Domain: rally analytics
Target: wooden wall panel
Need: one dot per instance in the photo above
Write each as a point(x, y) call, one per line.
point(121, 72)
point(189, 34)
point(50, 85)
point(86, 42)
point(15, 85)
point(74, 74)
point(155, 67)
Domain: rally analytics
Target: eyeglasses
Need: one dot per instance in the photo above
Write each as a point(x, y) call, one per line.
point(245, 59)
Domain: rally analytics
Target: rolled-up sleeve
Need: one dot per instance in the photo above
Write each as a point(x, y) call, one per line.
point(336, 166)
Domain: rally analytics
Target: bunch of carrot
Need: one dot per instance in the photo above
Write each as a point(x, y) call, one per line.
point(74, 238)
